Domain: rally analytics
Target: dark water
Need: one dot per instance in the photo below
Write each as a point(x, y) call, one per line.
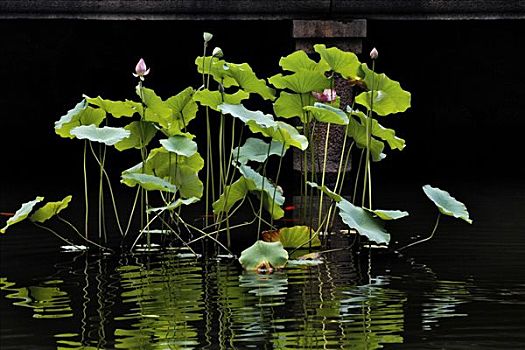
point(463, 290)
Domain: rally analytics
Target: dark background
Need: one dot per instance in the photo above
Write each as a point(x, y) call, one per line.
point(466, 80)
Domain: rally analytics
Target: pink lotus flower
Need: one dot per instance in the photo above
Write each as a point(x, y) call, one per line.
point(328, 95)
point(141, 70)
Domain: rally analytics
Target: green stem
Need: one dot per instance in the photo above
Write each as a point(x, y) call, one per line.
point(262, 190)
point(80, 235)
point(86, 196)
point(56, 234)
point(424, 239)
point(320, 209)
point(357, 176)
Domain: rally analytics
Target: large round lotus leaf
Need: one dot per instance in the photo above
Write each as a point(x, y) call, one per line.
point(342, 62)
point(231, 195)
point(174, 205)
point(81, 114)
point(298, 61)
point(116, 108)
point(389, 97)
point(181, 145)
point(290, 105)
point(331, 194)
point(256, 150)
point(327, 114)
point(303, 82)
point(183, 107)
point(21, 213)
point(389, 214)
point(362, 221)
point(243, 74)
point(141, 133)
point(297, 236)
point(50, 209)
point(262, 254)
point(106, 135)
point(148, 182)
point(447, 204)
point(245, 115)
point(213, 99)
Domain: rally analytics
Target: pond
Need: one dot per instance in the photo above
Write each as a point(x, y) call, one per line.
point(464, 289)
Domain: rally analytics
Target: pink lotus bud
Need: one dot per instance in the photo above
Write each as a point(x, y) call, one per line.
point(141, 70)
point(328, 95)
point(374, 54)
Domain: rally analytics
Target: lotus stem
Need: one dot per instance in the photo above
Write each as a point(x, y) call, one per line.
point(80, 235)
point(424, 239)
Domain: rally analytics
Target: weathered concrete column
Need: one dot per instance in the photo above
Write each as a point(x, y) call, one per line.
point(347, 36)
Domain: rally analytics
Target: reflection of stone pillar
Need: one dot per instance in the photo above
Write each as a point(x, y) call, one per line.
point(346, 36)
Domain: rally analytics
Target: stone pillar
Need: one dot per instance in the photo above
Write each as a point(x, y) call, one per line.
point(347, 36)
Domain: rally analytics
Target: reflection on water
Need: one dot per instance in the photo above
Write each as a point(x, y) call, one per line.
point(177, 300)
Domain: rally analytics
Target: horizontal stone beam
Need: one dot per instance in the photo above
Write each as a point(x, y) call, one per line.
point(263, 9)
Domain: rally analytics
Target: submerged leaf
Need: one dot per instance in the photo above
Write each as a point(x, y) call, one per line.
point(362, 221)
point(50, 209)
point(447, 204)
point(262, 255)
point(22, 213)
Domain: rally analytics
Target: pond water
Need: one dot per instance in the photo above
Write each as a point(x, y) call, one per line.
point(463, 290)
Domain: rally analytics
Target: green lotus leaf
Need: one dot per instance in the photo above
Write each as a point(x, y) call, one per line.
point(147, 182)
point(245, 115)
point(388, 214)
point(447, 204)
point(180, 145)
point(361, 220)
point(262, 255)
point(180, 170)
point(116, 108)
point(81, 114)
point(291, 105)
point(141, 133)
point(389, 97)
point(231, 195)
point(298, 236)
point(256, 150)
point(345, 63)
point(184, 110)
point(302, 82)
point(106, 135)
point(331, 194)
point(49, 210)
point(22, 213)
point(281, 132)
point(157, 111)
point(213, 99)
point(257, 182)
point(327, 114)
point(299, 61)
point(246, 79)
point(357, 131)
point(216, 68)
point(172, 206)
